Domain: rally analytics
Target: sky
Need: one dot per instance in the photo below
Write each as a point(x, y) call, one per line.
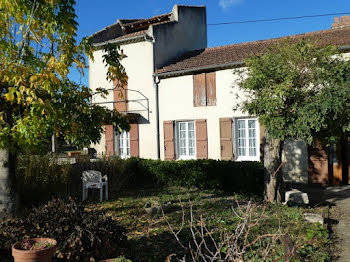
point(93, 15)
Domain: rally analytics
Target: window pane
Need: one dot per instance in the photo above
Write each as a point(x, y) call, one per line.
point(191, 151)
point(190, 126)
point(191, 134)
point(182, 151)
point(241, 124)
point(251, 123)
point(182, 143)
point(182, 126)
point(191, 143)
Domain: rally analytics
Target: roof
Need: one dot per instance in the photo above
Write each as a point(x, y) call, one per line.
point(124, 29)
point(226, 56)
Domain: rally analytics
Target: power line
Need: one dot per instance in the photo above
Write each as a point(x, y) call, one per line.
point(276, 19)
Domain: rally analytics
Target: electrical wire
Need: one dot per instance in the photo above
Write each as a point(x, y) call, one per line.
point(276, 19)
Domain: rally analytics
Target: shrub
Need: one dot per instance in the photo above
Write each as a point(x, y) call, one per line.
point(41, 178)
point(244, 177)
point(80, 234)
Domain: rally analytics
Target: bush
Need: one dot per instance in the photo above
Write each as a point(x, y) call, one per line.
point(80, 234)
point(41, 178)
point(244, 177)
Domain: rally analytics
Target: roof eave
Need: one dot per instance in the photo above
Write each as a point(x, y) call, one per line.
point(138, 38)
point(198, 69)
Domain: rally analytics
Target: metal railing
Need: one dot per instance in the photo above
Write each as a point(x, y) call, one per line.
point(143, 102)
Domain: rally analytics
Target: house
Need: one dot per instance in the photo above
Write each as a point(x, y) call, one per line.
point(180, 96)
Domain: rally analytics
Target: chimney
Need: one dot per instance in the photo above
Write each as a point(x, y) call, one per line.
point(340, 22)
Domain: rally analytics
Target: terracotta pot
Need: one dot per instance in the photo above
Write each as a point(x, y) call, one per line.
point(44, 255)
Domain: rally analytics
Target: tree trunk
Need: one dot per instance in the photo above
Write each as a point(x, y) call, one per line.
point(8, 197)
point(272, 169)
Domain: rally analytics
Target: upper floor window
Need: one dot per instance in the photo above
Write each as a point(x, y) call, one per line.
point(124, 144)
point(204, 89)
point(247, 139)
point(186, 140)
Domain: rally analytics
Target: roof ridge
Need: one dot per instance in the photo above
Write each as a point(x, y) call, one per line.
point(281, 37)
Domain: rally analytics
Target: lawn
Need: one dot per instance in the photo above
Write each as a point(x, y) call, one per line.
point(151, 237)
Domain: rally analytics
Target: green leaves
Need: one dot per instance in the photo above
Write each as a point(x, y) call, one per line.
point(299, 91)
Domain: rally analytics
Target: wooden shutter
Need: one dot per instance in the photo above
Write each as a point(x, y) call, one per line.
point(109, 136)
point(226, 144)
point(169, 145)
point(199, 90)
point(318, 164)
point(210, 79)
point(201, 139)
point(121, 96)
point(134, 139)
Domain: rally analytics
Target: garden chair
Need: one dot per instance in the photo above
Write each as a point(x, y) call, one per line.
point(94, 179)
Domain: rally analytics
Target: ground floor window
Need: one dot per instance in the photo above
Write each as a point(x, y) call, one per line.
point(247, 139)
point(186, 135)
point(124, 144)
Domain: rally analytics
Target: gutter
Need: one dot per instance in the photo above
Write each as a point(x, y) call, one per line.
point(192, 70)
point(156, 87)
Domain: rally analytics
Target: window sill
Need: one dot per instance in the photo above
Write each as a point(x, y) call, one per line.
point(186, 158)
point(252, 159)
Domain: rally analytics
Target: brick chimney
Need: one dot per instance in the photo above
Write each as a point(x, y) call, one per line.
point(340, 22)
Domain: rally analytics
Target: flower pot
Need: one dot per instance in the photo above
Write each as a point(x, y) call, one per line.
point(44, 255)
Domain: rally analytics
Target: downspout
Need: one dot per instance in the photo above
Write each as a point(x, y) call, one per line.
point(156, 88)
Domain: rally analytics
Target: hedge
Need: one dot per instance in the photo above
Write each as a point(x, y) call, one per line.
point(39, 178)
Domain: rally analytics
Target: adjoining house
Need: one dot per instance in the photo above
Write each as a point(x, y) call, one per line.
point(180, 96)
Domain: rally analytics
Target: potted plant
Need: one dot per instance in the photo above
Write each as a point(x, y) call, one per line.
point(34, 250)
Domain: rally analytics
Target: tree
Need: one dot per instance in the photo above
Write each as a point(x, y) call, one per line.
point(299, 91)
point(38, 47)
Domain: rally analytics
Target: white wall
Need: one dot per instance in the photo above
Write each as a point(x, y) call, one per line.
point(139, 68)
point(176, 103)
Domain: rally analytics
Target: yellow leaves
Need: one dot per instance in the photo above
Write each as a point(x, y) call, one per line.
point(10, 97)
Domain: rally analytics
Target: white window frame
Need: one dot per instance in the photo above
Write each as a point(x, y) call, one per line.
point(125, 137)
point(177, 133)
point(247, 157)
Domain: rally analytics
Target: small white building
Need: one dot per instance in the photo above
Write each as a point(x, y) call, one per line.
point(181, 95)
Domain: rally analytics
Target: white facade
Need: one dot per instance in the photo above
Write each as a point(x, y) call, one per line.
point(176, 104)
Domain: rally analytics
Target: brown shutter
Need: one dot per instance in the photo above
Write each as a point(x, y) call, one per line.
point(134, 139)
point(169, 146)
point(109, 136)
point(210, 79)
point(199, 90)
point(201, 139)
point(262, 141)
point(120, 96)
point(226, 145)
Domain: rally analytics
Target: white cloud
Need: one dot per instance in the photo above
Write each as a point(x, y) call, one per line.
point(225, 4)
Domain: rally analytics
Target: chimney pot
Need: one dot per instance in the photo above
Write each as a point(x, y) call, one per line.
point(344, 21)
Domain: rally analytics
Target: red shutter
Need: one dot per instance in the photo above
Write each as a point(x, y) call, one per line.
point(169, 146)
point(121, 96)
point(199, 90)
point(201, 139)
point(109, 136)
point(226, 145)
point(210, 79)
point(134, 139)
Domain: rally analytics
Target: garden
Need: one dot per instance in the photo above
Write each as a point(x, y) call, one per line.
point(201, 210)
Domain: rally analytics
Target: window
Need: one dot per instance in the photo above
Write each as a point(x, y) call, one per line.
point(247, 139)
point(186, 139)
point(204, 89)
point(124, 144)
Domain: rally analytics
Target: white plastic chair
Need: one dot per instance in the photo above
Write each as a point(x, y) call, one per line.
point(94, 179)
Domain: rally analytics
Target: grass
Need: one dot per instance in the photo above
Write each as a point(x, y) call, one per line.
point(151, 238)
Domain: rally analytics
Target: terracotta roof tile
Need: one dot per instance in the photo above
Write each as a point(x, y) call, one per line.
point(219, 56)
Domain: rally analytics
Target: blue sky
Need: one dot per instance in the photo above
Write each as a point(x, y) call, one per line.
point(93, 15)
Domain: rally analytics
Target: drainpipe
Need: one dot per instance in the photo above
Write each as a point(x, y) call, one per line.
point(155, 84)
